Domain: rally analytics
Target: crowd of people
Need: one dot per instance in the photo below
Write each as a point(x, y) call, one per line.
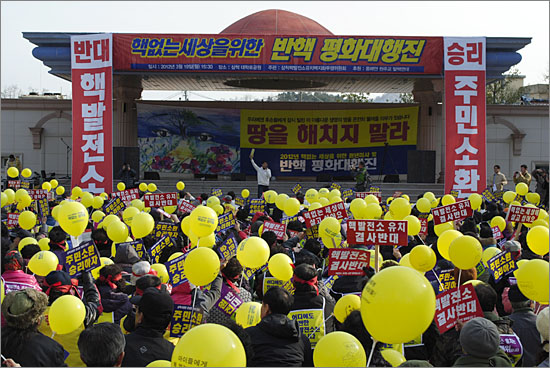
point(129, 306)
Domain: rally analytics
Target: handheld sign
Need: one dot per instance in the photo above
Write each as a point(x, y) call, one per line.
point(229, 301)
point(175, 270)
point(37, 193)
point(186, 207)
point(374, 188)
point(240, 201)
point(83, 258)
point(314, 217)
point(446, 280)
point(228, 248)
point(183, 319)
point(270, 282)
point(158, 247)
point(113, 207)
point(42, 207)
point(423, 226)
point(363, 195)
point(335, 186)
point(25, 184)
point(348, 262)
point(13, 220)
point(525, 215)
point(165, 229)
point(497, 234)
point(160, 199)
point(488, 195)
point(452, 212)
point(347, 193)
point(451, 306)
point(225, 221)
point(14, 184)
point(257, 205)
point(127, 195)
point(296, 188)
point(455, 193)
point(501, 265)
point(511, 344)
point(136, 244)
point(216, 192)
point(278, 229)
point(379, 232)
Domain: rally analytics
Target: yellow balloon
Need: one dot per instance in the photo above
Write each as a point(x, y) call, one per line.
point(538, 240)
point(324, 193)
point(142, 225)
point(393, 357)
point(228, 350)
point(312, 195)
point(280, 266)
point(448, 199)
point(11, 195)
point(475, 201)
point(77, 191)
point(509, 196)
point(270, 196)
point(488, 254)
point(54, 183)
point(66, 314)
point(87, 199)
point(27, 220)
point(533, 198)
point(47, 186)
point(435, 202)
point(422, 258)
point(339, 349)
point(248, 314)
point(44, 244)
point(371, 198)
point(20, 194)
point(97, 202)
point(218, 208)
point(43, 262)
point(314, 206)
point(334, 200)
point(185, 225)
point(390, 291)
point(142, 187)
point(4, 197)
point(324, 201)
point(25, 201)
point(26, 241)
point(26, 173)
point(203, 221)
point(430, 217)
point(345, 305)
point(253, 252)
point(373, 211)
point(104, 262)
point(159, 363)
point(334, 193)
point(3, 289)
point(281, 200)
point(423, 205)
point(405, 261)
point(389, 200)
point(138, 203)
point(60, 190)
point(13, 172)
point(329, 227)
point(292, 207)
point(543, 215)
point(117, 231)
point(406, 197)
point(212, 200)
point(533, 280)
point(400, 208)
point(207, 241)
point(104, 195)
point(55, 211)
point(358, 208)
point(175, 255)
point(121, 186)
point(539, 222)
point(152, 187)
point(162, 272)
point(465, 252)
point(444, 242)
point(522, 189)
point(442, 228)
point(498, 221)
point(180, 185)
point(128, 215)
point(73, 218)
point(245, 193)
point(331, 242)
point(202, 265)
point(388, 216)
point(429, 196)
point(414, 225)
point(170, 209)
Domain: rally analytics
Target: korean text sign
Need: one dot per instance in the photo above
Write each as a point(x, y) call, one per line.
point(225, 221)
point(82, 258)
point(501, 265)
point(175, 270)
point(257, 205)
point(314, 217)
point(92, 102)
point(365, 194)
point(160, 199)
point(522, 214)
point(37, 193)
point(183, 319)
point(165, 229)
point(114, 206)
point(278, 229)
point(13, 220)
point(186, 207)
point(348, 262)
point(127, 195)
point(377, 232)
point(136, 244)
point(452, 212)
point(456, 304)
point(228, 248)
point(465, 154)
point(229, 301)
point(270, 282)
point(158, 247)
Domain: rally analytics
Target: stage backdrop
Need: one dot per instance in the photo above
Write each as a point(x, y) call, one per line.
point(293, 142)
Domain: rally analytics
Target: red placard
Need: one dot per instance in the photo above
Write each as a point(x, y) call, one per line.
point(303, 54)
point(452, 212)
point(91, 75)
point(347, 261)
point(37, 193)
point(465, 157)
point(127, 195)
point(449, 307)
point(423, 226)
point(186, 207)
point(314, 217)
point(365, 194)
point(13, 220)
point(497, 234)
point(377, 232)
point(278, 229)
point(525, 215)
point(160, 199)
point(14, 184)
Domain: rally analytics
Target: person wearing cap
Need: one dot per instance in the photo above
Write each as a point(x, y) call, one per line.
point(102, 345)
point(525, 325)
point(140, 269)
point(14, 276)
point(113, 300)
point(543, 327)
point(21, 340)
point(58, 245)
point(146, 343)
point(59, 283)
point(480, 342)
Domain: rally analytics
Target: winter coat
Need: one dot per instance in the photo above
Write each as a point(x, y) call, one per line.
point(447, 349)
point(310, 300)
point(205, 300)
point(217, 316)
point(16, 280)
point(525, 326)
point(38, 351)
point(278, 342)
point(113, 301)
point(146, 345)
point(498, 360)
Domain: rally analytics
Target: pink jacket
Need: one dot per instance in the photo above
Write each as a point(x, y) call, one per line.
point(16, 280)
point(181, 294)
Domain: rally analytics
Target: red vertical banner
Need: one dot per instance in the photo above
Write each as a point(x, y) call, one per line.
point(92, 81)
point(465, 154)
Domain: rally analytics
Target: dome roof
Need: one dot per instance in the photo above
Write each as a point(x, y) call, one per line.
point(276, 22)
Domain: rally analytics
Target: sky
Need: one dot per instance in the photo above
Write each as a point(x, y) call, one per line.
point(364, 18)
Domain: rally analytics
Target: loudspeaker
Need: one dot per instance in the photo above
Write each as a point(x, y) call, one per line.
point(238, 177)
point(391, 178)
point(151, 175)
point(324, 177)
point(130, 155)
point(420, 166)
point(206, 176)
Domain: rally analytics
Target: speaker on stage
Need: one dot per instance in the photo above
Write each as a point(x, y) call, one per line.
point(129, 155)
point(420, 166)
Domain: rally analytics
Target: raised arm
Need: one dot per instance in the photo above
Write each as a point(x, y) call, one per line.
point(256, 167)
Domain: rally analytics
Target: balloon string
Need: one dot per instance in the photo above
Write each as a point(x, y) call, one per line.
point(53, 334)
point(371, 352)
point(241, 280)
point(319, 326)
point(437, 278)
point(193, 307)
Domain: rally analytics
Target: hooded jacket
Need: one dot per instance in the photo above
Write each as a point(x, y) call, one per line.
point(278, 342)
point(113, 301)
point(126, 256)
point(19, 277)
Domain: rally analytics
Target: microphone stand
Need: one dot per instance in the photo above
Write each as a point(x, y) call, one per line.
point(69, 149)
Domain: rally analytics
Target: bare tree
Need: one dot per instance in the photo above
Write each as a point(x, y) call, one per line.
point(12, 91)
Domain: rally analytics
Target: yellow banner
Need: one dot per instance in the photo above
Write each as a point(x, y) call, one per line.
point(328, 128)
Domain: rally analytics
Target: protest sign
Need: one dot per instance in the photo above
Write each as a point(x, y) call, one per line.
point(158, 247)
point(511, 344)
point(13, 220)
point(229, 301)
point(160, 199)
point(127, 195)
point(480, 268)
point(25, 184)
point(455, 193)
point(311, 323)
point(525, 215)
point(228, 248)
point(84, 257)
point(285, 220)
point(216, 192)
point(14, 184)
point(363, 195)
point(175, 270)
point(348, 262)
point(183, 319)
point(37, 193)
point(249, 272)
point(296, 188)
point(42, 207)
point(312, 232)
point(335, 186)
point(488, 195)
point(497, 234)
point(347, 193)
point(15, 286)
point(330, 281)
point(378, 232)
point(136, 244)
point(225, 221)
point(165, 228)
point(501, 265)
point(186, 207)
point(314, 217)
point(257, 205)
point(240, 201)
point(278, 229)
point(113, 207)
point(456, 304)
point(270, 282)
point(446, 280)
point(423, 226)
point(452, 212)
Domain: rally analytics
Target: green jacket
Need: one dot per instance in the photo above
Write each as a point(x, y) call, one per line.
point(361, 175)
point(500, 359)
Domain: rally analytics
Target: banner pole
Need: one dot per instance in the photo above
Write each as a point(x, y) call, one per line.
point(371, 351)
point(376, 265)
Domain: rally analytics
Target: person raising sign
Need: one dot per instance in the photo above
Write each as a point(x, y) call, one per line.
point(264, 174)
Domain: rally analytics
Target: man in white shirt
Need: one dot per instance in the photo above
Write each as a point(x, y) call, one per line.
point(264, 174)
